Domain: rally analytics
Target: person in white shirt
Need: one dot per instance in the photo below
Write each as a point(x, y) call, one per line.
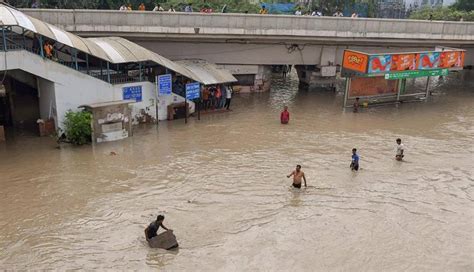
point(400, 148)
point(355, 15)
point(298, 12)
point(338, 14)
point(158, 7)
point(317, 13)
point(171, 9)
point(228, 96)
point(123, 8)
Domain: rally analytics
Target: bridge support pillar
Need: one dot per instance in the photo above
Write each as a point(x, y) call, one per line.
point(251, 78)
point(316, 76)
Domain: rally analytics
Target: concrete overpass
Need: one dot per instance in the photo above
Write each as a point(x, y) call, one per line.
point(243, 41)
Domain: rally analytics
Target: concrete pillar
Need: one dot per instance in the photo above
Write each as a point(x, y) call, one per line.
point(251, 78)
point(263, 78)
point(315, 76)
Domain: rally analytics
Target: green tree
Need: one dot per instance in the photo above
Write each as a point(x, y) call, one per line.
point(443, 14)
point(466, 5)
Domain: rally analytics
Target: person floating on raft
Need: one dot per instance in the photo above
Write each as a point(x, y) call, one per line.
point(165, 240)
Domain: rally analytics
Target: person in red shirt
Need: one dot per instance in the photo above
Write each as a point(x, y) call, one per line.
point(285, 116)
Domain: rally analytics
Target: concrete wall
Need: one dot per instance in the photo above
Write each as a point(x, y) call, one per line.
point(224, 26)
point(47, 99)
point(67, 88)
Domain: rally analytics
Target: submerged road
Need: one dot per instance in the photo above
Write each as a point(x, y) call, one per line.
point(221, 183)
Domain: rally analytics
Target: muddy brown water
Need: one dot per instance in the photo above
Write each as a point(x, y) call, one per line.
point(221, 183)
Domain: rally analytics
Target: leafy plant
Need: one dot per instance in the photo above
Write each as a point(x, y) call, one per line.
point(443, 14)
point(77, 127)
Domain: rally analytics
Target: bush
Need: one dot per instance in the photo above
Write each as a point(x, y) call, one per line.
point(77, 127)
point(443, 14)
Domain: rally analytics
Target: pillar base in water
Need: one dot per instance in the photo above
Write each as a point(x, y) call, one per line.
point(311, 76)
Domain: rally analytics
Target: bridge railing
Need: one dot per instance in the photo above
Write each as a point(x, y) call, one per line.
point(250, 24)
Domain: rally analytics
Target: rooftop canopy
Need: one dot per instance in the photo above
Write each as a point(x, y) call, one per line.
point(208, 73)
point(112, 49)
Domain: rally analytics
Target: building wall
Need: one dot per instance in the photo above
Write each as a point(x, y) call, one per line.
point(47, 99)
point(67, 89)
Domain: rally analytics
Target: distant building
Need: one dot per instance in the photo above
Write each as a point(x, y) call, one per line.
point(391, 9)
point(415, 4)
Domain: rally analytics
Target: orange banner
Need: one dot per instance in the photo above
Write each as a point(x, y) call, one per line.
point(403, 62)
point(451, 59)
point(372, 86)
point(355, 61)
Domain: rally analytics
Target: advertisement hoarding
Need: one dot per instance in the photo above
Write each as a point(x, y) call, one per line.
point(355, 61)
point(379, 64)
point(372, 86)
point(451, 59)
point(427, 60)
point(403, 62)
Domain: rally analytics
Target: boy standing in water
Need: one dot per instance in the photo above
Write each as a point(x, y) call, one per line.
point(285, 116)
point(356, 105)
point(400, 148)
point(297, 176)
point(355, 160)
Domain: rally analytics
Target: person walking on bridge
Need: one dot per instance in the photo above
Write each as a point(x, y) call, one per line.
point(141, 7)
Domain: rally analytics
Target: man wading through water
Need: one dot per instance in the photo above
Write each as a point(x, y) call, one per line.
point(297, 176)
point(152, 229)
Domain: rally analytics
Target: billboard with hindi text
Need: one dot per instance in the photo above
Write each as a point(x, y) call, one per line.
point(362, 64)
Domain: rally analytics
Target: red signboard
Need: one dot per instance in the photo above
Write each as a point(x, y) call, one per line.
point(355, 61)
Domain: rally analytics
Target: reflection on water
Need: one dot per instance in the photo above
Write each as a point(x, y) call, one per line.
point(221, 182)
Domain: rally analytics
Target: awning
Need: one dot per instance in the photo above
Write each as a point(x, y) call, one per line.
point(112, 49)
point(208, 73)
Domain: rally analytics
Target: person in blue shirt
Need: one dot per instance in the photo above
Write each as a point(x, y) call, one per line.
point(355, 160)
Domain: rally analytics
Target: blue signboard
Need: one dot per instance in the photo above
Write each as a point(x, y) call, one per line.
point(193, 90)
point(132, 93)
point(164, 84)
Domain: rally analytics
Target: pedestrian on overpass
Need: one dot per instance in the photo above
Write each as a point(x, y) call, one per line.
point(141, 7)
point(48, 49)
point(158, 7)
point(188, 8)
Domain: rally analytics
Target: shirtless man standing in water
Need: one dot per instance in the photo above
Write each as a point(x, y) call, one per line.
point(297, 176)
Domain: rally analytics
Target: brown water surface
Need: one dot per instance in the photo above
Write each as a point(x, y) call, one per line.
point(221, 183)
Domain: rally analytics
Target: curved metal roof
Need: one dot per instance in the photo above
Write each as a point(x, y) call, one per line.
point(112, 49)
point(209, 73)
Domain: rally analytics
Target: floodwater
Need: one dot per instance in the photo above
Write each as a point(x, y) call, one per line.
point(221, 183)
